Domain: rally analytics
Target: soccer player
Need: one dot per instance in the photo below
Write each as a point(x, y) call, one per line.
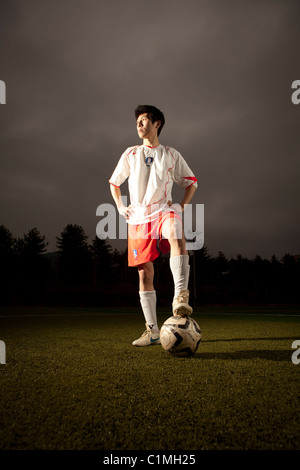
point(154, 222)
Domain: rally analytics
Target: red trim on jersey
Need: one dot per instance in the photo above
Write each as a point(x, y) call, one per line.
point(114, 185)
point(192, 178)
point(132, 150)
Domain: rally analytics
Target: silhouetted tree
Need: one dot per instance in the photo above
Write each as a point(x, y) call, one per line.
point(102, 257)
point(291, 278)
point(7, 243)
point(34, 244)
point(203, 261)
point(30, 264)
point(75, 256)
point(221, 263)
point(202, 275)
point(29, 274)
point(275, 281)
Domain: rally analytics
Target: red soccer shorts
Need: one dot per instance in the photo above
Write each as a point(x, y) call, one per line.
point(145, 241)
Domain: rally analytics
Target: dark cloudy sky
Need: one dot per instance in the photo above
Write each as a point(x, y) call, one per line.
point(221, 70)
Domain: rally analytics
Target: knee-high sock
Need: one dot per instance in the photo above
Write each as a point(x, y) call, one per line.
point(180, 269)
point(148, 303)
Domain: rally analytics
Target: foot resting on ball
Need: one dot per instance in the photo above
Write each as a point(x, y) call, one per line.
point(181, 305)
point(148, 338)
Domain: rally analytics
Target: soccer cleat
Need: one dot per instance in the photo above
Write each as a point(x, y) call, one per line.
point(181, 305)
point(148, 338)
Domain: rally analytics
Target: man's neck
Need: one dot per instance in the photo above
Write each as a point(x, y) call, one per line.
point(151, 142)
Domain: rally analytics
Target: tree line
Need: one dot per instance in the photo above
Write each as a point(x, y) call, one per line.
point(80, 273)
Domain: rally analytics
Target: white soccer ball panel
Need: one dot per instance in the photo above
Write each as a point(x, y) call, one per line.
point(180, 336)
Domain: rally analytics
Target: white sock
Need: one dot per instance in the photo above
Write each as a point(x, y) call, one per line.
point(180, 269)
point(148, 303)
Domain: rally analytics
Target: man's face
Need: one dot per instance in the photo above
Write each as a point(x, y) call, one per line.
point(145, 128)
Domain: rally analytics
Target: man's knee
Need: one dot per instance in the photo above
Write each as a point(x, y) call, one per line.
point(172, 230)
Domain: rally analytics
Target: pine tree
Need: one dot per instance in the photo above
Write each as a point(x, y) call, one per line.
point(75, 256)
point(102, 256)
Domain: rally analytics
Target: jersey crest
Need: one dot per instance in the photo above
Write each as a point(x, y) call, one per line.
point(149, 161)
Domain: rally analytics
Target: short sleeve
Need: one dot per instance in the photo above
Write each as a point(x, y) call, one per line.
point(182, 174)
point(121, 171)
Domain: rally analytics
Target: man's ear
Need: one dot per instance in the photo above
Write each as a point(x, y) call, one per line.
point(158, 124)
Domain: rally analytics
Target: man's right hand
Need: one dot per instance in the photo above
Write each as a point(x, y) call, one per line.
point(125, 211)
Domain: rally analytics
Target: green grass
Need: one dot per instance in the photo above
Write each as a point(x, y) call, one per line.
point(73, 381)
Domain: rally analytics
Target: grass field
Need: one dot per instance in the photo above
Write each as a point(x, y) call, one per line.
point(72, 381)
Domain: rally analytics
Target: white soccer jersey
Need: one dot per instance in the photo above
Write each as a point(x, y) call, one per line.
point(151, 172)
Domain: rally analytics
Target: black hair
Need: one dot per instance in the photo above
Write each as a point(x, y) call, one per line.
point(153, 113)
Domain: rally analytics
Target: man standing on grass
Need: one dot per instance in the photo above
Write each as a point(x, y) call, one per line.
point(154, 223)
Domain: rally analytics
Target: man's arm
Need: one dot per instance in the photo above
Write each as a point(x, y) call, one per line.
point(116, 194)
point(189, 193)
